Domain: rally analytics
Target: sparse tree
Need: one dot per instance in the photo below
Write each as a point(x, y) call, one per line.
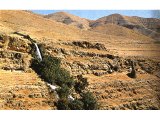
point(76, 105)
point(81, 84)
point(89, 101)
point(62, 104)
point(132, 74)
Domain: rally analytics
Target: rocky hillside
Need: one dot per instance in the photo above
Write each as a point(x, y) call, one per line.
point(20, 86)
point(108, 77)
point(121, 66)
point(113, 29)
point(147, 26)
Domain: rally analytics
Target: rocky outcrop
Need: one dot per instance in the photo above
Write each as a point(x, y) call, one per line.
point(99, 63)
point(10, 42)
point(88, 45)
point(14, 60)
point(15, 52)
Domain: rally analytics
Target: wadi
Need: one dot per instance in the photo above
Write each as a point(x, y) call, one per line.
point(61, 61)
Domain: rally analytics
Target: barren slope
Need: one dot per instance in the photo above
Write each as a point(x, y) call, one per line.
point(113, 29)
point(147, 26)
point(19, 90)
point(69, 19)
point(46, 30)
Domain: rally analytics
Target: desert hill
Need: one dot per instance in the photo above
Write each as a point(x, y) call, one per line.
point(113, 29)
point(146, 26)
point(44, 28)
point(104, 54)
point(69, 19)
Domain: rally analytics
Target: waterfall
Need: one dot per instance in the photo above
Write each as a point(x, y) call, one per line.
point(53, 88)
point(70, 98)
point(38, 52)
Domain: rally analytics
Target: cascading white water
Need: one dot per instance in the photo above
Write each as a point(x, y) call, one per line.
point(70, 98)
point(53, 88)
point(38, 52)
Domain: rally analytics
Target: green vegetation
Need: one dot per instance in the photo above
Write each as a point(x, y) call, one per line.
point(48, 68)
point(64, 78)
point(63, 92)
point(157, 42)
point(89, 101)
point(50, 71)
point(132, 74)
point(81, 84)
point(62, 104)
point(76, 105)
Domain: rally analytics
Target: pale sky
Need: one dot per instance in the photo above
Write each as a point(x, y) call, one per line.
point(95, 14)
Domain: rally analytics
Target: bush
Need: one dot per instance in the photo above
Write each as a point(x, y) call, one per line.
point(64, 78)
point(132, 74)
point(48, 68)
point(62, 104)
point(89, 101)
point(81, 84)
point(63, 92)
point(76, 105)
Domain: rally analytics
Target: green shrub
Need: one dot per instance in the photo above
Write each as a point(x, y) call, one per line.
point(63, 92)
point(48, 68)
point(81, 84)
point(89, 101)
point(64, 78)
point(76, 105)
point(50, 61)
point(132, 74)
point(62, 104)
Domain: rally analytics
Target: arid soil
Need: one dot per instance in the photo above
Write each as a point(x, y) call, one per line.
point(103, 51)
